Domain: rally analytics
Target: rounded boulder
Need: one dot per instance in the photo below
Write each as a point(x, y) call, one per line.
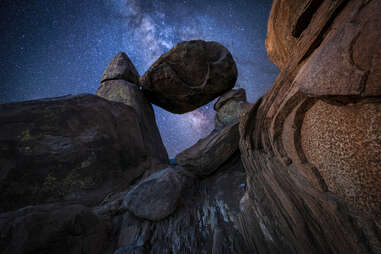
point(190, 75)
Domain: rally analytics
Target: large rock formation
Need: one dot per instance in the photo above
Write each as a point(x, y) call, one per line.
point(190, 75)
point(73, 148)
point(311, 146)
point(120, 83)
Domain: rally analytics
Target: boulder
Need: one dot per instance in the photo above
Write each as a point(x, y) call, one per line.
point(75, 148)
point(209, 153)
point(228, 107)
point(311, 145)
point(128, 93)
point(121, 67)
point(53, 228)
point(190, 75)
point(157, 196)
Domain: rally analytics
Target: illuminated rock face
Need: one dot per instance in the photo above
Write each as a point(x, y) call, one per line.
point(311, 145)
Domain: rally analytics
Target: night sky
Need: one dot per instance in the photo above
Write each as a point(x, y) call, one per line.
point(52, 48)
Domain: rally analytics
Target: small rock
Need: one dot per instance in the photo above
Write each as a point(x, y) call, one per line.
point(121, 67)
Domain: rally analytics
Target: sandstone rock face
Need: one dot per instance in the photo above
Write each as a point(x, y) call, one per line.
point(190, 75)
point(311, 145)
point(53, 228)
point(120, 89)
point(157, 196)
point(287, 21)
point(209, 153)
point(228, 107)
point(73, 148)
point(121, 67)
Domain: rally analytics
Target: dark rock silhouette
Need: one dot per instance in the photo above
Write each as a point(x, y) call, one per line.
point(68, 148)
point(190, 75)
point(53, 228)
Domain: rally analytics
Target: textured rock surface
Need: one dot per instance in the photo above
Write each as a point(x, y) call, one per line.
point(157, 196)
point(53, 228)
point(206, 221)
point(190, 75)
point(311, 146)
point(128, 93)
point(73, 148)
point(121, 67)
point(209, 153)
point(228, 107)
point(287, 21)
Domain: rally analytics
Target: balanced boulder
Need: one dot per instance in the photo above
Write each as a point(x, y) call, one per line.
point(190, 75)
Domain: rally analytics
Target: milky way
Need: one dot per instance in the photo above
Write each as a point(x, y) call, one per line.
point(52, 48)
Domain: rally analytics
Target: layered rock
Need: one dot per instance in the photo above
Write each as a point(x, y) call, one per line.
point(229, 106)
point(68, 148)
point(190, 75)
point(287, 21)
point(311, 145)
point(120, 83)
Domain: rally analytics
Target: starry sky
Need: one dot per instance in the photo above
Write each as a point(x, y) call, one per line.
point(52, 48)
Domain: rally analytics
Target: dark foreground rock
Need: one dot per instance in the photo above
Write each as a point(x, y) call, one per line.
point(209, 153)
point(53, 228)
point(75, 148)
point(311, 146)
point(206, 220)
point(123, 88)
point(190, 75)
